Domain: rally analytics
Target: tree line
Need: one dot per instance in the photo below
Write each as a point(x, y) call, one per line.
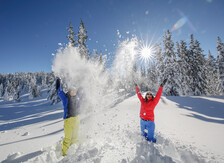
point(188, 70)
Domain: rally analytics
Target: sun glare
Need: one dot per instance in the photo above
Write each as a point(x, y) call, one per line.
point(146, 53)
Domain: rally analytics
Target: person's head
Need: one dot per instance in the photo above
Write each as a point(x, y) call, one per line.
point(72, 91)
point(149, 95)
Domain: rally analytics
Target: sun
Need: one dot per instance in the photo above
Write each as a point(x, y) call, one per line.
point(146, 52)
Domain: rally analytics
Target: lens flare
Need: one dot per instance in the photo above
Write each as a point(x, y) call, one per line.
point(179, 23)
point(146, 52)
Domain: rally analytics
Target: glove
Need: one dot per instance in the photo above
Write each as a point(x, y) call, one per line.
point(134, 83)
point(58, 83)
point(163, 83)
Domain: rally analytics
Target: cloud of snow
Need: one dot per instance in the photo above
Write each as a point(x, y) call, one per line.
point(125, 57)
point(77, 72)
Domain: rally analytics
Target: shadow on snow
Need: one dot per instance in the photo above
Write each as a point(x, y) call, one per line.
point(29, 112)
point(214, 110)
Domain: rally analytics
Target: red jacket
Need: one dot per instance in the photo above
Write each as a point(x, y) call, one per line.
point(147, 109)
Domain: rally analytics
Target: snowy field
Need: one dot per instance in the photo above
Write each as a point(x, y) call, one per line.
point(188, 129)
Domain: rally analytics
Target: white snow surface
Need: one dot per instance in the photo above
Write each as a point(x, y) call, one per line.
point(188, 129)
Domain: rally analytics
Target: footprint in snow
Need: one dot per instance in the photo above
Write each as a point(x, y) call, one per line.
point(26, 134)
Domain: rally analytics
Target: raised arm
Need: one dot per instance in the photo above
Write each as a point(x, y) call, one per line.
point(62, 96)
point(158, 95)
point(159, 92)
point(60, 92)
point(139, 93)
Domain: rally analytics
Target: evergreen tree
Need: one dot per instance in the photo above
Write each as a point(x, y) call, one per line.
point(82, 37)
point(169, 72)
point(16, 87)
point(33, 88)
point(52, 92)
point(179, 70)
point(6, 94)
point(192, 70)
point(16, 96)
point(159, 69)
point(38, 91)
point(198, 69)
point(220, 60)
point(1, 90)
point(183, 68)
point(8, 90)
point(44, 79)
point(71, 35)
point(213, 80)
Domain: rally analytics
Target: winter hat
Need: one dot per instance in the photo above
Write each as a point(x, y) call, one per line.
point(72, 88)
point(146, 99)
point(149, 93)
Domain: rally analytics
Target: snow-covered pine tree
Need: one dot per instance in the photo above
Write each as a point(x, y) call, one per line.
point(1, 90)
point(213, 81)
point(82, 38)
point(179, 70)
point(44, 79)
point(52, 92)
point(16, 87)
point(197, 68)
point(6, 94)
point(183, 69)
point(33, 88)
point(8, 90)
point(38, 90)
point(71, 35)
point(22, 82)
point(220, 60)
point(159, 64)
point(171, 88)
point(16, 96)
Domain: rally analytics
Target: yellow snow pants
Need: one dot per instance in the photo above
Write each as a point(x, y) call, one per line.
point(71, 128)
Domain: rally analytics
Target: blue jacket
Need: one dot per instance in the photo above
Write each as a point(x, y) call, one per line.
point(71, 103)
point(64, 100)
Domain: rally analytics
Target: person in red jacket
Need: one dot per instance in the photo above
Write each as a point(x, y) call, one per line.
point(148, 105)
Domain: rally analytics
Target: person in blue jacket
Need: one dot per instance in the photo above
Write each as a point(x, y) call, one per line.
point(71, 104)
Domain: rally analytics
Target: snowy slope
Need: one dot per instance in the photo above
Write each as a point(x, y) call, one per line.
point(188, 129)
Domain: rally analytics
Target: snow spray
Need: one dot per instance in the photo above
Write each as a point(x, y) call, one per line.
point(77, 72)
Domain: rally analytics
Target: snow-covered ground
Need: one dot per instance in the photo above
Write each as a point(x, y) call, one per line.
point(188, 129)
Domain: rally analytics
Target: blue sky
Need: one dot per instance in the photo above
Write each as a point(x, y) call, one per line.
point(30, 30)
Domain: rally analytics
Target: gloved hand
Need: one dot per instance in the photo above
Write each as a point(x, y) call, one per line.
point(58, 83)
point(163, 83)
point(134, 83)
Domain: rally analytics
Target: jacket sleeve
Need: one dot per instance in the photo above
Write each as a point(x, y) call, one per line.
point(139, 94)
point(158, 95)
point(64, 100)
